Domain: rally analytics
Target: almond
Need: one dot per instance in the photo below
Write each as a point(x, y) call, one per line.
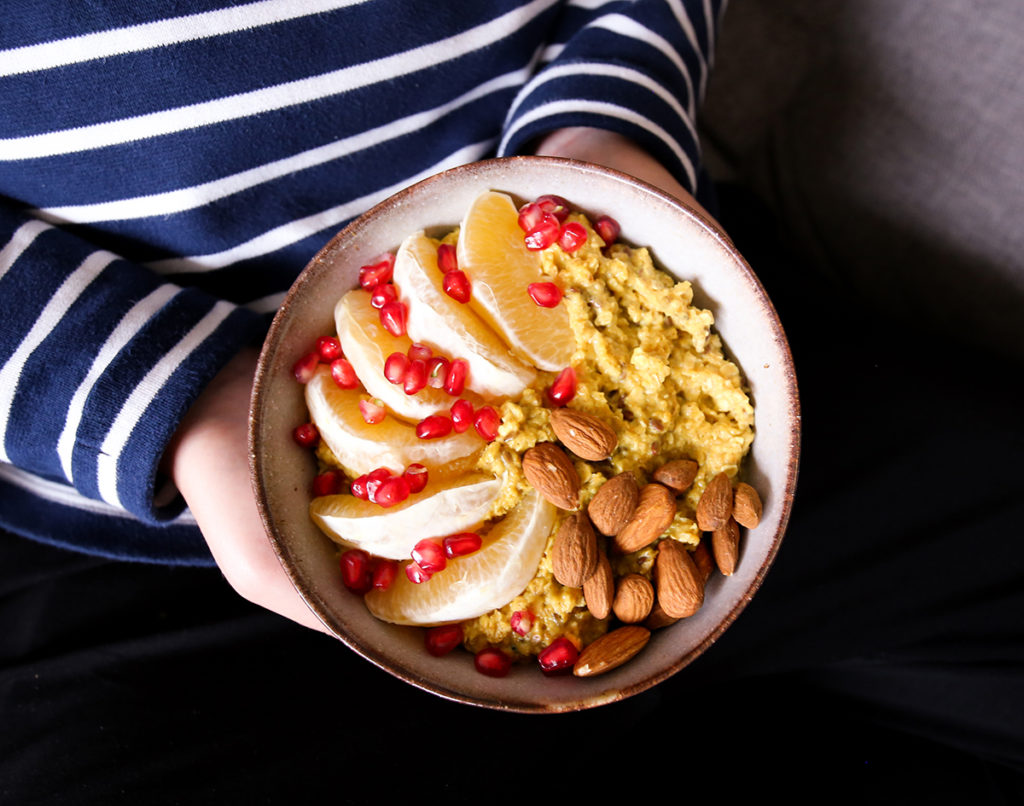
point(715, 505)
point(677, 580)
point(575, 554)
point(599, 589)
point(677, 475)
point(611, 650)
point(658, 619)
point(654, 513)
point(702, 558)
point(614, 503)
point(725, 544)
point(746, 505)
point(634, 598)
point(587, 436)
point(551, 472)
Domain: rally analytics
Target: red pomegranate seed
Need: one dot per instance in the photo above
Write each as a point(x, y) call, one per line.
point(492, 662)
point(306, 435)
point(447, 258)
point(434, 426)
point(417, 476)
point(547, 295)
point(393, 490)
point(429, 555)
point(374, 479)
point(442, 640)
point(372, 411)
point(563, 389)
point(343, 373)
point(329, 348)
point(419, 351)
point(383, 573)
point(395, 366)
point(529, 216)
point(556, 205)
point(355, 570)
point(462, 415)
point(327, 483)
point(544, 234)
point(521, 622)
point(415, 377)
point(358, 488)
point(383, 294)
point(461, 544)
point(457, 285)
point(392, 317)
point(558, 657)
point(415, 574)
point(306, 366)
point(437, 371)
point(373, 274)
point(608, 228)
point(455, 380)
point(486, 422)
point(572, 237)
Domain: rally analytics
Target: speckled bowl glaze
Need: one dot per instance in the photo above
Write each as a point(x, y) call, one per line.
point(682, 242)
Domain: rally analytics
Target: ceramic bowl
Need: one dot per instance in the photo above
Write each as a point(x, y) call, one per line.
point(685, 244)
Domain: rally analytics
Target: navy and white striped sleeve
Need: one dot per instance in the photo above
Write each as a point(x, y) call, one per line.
point(637, 68)
point(99, 360)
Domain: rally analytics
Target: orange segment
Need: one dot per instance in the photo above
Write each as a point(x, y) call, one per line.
point(492, 251)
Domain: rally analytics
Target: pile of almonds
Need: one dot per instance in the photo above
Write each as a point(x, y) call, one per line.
point(632, 516)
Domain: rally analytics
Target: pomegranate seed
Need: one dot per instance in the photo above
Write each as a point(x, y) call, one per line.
point(461, 544)
point(374, 479)
point(486, 422)
point(564, 387)
point(521, 622)
point(429, 555)
point(416, 475)
point(608, 228)
point(329, 348)
point(455, 380)
point(343, 374)
point(556, 205)
point(395, 366)
point(415, 377)
point(373, 274)
point(572, 237)
point(547, 295)
point(544, 234)
point(492, 662)
point(529, 216)
point(447, 258)
point(383, 294)
point(462, 415)
point(420, 351)
point(558, 657)
point(306, 435)
point(358, 488)
point(442, 640)
point(434, 426)
point(457, 286)
point(415, 574)
point(328, 483)
point(383, 573)
point(372, 410)
point(355, 570)
point(437, 371)
point(392, 491)
point(392, 317)
point(306, 366)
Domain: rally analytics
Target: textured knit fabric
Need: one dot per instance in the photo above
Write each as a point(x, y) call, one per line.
point(167, 169)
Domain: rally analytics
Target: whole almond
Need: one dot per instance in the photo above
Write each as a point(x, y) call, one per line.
point(599, 589)
point(746, 505)
point(702, 558)
point(611, 650)
point(658, 619)
point(725, 544)
point(677, 475)
point(634, 598)
point(654, 513)
point(715, 505)
point(677, 581)
point(551, 472)
point(614, 503)
point(587, 436)
point(575, 554)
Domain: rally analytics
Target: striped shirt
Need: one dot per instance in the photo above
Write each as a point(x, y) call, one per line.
point(167, 169)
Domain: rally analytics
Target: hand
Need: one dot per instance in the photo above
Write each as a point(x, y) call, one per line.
point(208, 461)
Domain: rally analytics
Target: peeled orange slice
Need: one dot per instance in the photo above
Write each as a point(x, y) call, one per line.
point(452, 327)
point(492, 252)
point(392, 443)
point(478, 583)
point(443, 508)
